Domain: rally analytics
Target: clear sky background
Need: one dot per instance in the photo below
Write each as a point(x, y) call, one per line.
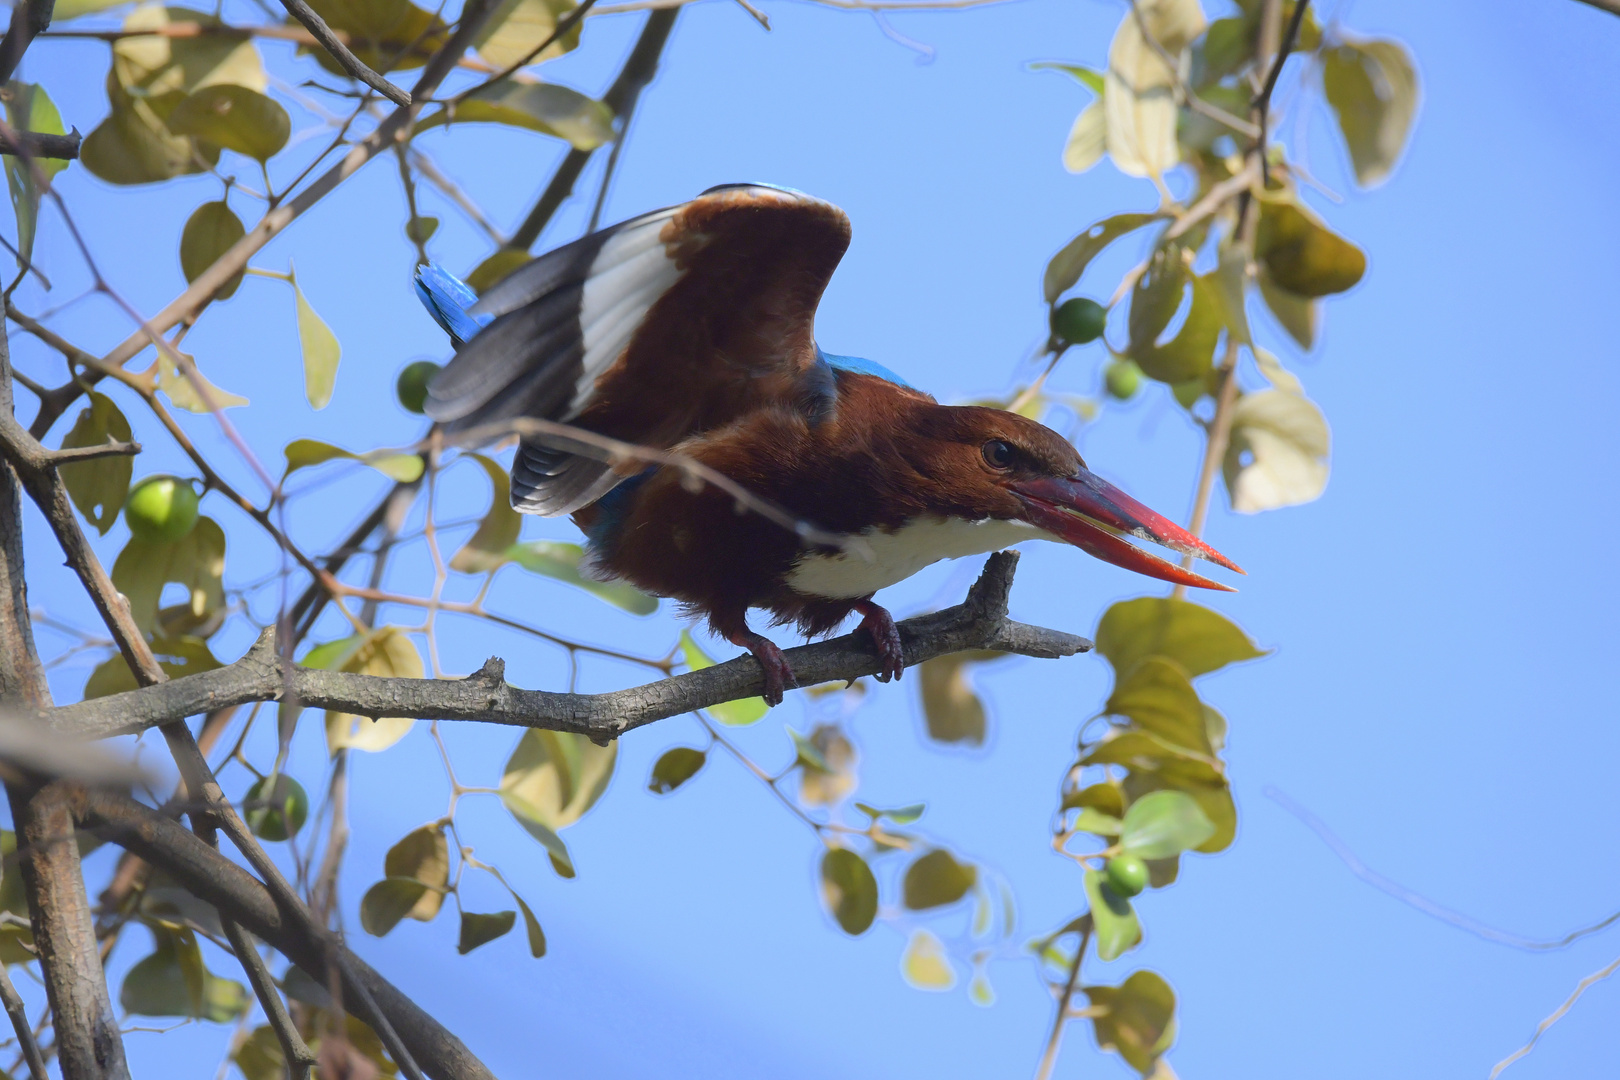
point(1442, 686)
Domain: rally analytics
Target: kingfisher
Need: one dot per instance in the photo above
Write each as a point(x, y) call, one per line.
point(691, 329)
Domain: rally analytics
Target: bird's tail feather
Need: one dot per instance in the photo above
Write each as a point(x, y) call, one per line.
point(447, 299)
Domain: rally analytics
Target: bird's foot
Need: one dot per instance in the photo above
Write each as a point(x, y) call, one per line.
point(779, 677)
point(879, 625)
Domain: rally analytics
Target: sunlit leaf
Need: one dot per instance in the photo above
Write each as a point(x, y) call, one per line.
point(387, 35)
point(1195, 637)
point(517, 26)
point(30, 108)
point(385, 651)
point(1200, 779)
point(1117, 928)
point(1136, 1020)
point(924, 963)
point(849, 890)
point(537, 936)
point(98, 487)
point(235, 118)
point(73, 9)
point(154, 66)
point(1164, 824)
point(544, 107)
point(177, 656)
point(1301, 254)
point(554, 777)
point(486, 549)
point(936, 879)
point(1095, 821)
point(173, 981)
point(1067, 266)
point(1158, 697)
point(211, 230)
point(320, 349)
point(1088, 138)
point(1278, 453)
point(304, 453)
point(1140, 97)
point(389, 901)
point(479, 930)
point(675, 767)
point(952, 709)
point(827, 776)
point(196, 561)
point(1373, 88)
point(900, 815)
point(743, 710)
point(181, 387)
point(563, 562)
point(424, 855)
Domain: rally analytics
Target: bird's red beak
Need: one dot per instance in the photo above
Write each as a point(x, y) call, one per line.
point(1094, 515)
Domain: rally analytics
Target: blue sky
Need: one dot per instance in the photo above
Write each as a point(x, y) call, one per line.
point(1437, 691)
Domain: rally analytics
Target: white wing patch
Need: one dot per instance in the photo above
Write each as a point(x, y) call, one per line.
point(898, 554)
point(626, 278)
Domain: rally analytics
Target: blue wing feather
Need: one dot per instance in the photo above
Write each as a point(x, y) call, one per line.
point(447, 299)
point(861, 367)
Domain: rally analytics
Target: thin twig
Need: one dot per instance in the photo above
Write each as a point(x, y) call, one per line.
point(1061, 1017)
point(567, 23)
point(1192, 100)
point(1558, 1014)
point(1262, 102)
point(294, 1050)
point(19, 1023)
point(340, 52)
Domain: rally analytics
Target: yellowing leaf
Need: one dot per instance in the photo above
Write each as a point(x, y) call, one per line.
point(98, 487)
point(423, 854)
point(152, 66)
point(827, 775)
point(182, 390)
point(551, 780)
point(1088, 138)
point(1299, 315)
point(1278, 455)
point(1373, 88)
point(211, 230)
point(385, 651)
point(1140, 98)
point(196, 560)
point(321, 352)
point(517, 26)
point(549, 109)
point(1197, 638)
point(1136, 1020)
point(952, 710)
point(486, 550)
point(235, 118)
point(1157, 696)
point(1301, 254)
point(387, 35)
point(924, 963)
point(304, 453)
point(537, 936)
point(743, 710)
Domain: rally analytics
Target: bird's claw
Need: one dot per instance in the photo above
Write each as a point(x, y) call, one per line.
point(879, 626)
point(779, 677)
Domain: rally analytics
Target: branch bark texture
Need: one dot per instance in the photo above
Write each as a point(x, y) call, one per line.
point(979, 622)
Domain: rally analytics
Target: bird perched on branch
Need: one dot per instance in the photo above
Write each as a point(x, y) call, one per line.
point(692, 329)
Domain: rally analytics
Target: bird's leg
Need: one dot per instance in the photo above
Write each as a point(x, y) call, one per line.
point(779, 677)
point(878, 623)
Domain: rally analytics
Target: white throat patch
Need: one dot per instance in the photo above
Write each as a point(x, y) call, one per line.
point(897, 555)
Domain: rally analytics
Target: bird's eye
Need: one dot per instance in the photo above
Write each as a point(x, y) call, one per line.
point(998, 455)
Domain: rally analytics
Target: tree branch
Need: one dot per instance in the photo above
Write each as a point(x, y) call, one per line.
point(216, 880)
point(25, 1031)
point(980, 622)
point(340, 52)
point(40, 144)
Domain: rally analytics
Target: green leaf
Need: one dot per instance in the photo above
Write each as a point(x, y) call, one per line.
point(1067, 266)
point(849, 890)
point(173, 981)
point(1117, 928)
point(235, 118)
point(936, 879)
point(517, 26)
point(1373, 88)
point(1199, 639)
point(1278, 453)
point(1163, 825)
point(98, 487)
point(211, 230)
point(1095, 821)
point(419, 230)
point(562, 562)
point(183, 392)
point(901, 815)
point(30, 108)
point(153, 67)
point(537, 936)
point(423, 854)
point(1301, 316)
point(952, 710)
point(1190, 354)
point(1158, 696)
point(321, 351)
point(1301, 254)
point(1091, 80)
point(177, 656)
point(487, 548)
point(1105, 798)
point(479, 930)
point(549, 109)
point(734, 713)
point(303, 453)
point(132, 145)
point(924, 964)
point(389, 901)
point(675, 767)
point(196, 561)
point(1137, 1020)
point(1157, 295)
point(550, 781)
point(386, 652)
point(1200, 779)
point(827, 766)
point(260, 1057)
point(387, 35)
point(493, 270)
point(73, 9)
point(530, 819)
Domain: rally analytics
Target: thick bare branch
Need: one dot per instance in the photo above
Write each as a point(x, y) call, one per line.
point(980, 622)
point(214, 879)
point(40, 144)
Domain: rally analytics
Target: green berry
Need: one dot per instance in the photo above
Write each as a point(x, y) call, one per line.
point(278, 815)
point(1122, 378)
point(1126, 875)
point(1079, 320)
point(413, 384)
point(161, 509)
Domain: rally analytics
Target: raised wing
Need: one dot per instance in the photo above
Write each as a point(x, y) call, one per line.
point(666, 325)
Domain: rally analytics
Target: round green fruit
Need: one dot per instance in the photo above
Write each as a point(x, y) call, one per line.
point(1122, 378)
point(161, 509)
point(1126, 875)
point(278, 814)
point(413, 384)
point(1079, 320)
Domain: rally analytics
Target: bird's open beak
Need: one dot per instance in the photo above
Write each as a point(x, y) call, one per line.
point(1094, 515)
